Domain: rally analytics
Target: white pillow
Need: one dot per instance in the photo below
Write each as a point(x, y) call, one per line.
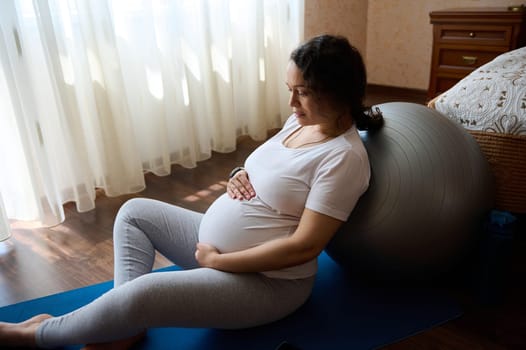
point(491, 98)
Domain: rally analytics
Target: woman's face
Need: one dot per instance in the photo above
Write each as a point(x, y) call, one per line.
point(306, 105)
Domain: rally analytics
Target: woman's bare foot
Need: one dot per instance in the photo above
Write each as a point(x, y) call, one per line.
point(122, 344)
point(21, 334)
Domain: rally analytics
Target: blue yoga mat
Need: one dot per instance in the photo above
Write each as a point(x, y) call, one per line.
point(342, 313)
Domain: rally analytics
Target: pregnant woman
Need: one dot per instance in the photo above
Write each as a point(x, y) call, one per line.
point(251, 258)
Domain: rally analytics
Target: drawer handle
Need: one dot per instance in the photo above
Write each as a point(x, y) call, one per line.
point(469, 59)
point(472, 34)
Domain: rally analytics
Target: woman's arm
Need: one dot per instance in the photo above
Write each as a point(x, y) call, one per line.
point(312, 235)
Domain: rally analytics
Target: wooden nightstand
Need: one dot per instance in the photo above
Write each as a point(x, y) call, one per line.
point(466, 38)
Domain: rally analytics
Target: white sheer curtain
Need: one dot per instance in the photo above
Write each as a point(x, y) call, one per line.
point(95, 93)
point(5, 231)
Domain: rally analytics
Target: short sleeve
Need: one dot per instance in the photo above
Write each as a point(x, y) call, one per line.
point(340, 181)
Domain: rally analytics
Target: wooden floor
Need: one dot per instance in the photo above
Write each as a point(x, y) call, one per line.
point(78, 252)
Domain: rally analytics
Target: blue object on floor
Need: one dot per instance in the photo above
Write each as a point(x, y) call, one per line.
point(342, 313)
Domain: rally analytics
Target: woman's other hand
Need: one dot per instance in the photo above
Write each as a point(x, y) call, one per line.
point(239, 187)
point(205, 254)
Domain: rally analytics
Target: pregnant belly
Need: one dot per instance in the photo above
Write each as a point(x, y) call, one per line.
point(232, 225)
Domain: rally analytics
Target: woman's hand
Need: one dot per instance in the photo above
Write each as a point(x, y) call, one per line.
point(239, 186)
point(205, 254)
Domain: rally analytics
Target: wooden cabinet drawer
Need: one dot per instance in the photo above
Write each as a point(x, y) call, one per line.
point(475, 35)
point(465, 58)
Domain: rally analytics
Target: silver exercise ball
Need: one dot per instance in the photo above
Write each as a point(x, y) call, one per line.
point(430, 190)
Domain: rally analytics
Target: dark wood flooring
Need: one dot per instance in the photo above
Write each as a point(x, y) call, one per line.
point(78, 252)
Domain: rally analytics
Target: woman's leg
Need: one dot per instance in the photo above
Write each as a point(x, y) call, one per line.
point(199, 297)
point(145, 225)
point(194, 298)
point(141, 227)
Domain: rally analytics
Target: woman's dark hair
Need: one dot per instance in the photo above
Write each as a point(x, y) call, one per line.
point(334, 69)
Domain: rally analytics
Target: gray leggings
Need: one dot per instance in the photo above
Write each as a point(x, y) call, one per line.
point(192, 297)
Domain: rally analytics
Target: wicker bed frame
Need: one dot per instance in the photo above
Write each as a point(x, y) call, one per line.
point(506, 155)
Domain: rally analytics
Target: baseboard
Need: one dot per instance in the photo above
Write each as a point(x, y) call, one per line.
point(382, 93)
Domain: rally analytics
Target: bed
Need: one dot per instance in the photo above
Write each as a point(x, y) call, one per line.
point(490, 103)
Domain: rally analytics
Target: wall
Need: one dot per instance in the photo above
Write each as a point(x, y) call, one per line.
point(398, 35)
point(343, 17)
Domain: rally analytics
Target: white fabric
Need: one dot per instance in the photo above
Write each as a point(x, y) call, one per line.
point(95, 93)
point(327, 178)
point(5, 231)
point(492, 98)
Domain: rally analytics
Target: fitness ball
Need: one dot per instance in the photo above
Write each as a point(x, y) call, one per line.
point(430, 191)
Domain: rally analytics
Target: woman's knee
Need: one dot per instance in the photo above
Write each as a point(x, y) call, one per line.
point(129, 212)
point(133, 208)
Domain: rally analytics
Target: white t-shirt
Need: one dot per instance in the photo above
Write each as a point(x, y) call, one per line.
point(327, 178)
